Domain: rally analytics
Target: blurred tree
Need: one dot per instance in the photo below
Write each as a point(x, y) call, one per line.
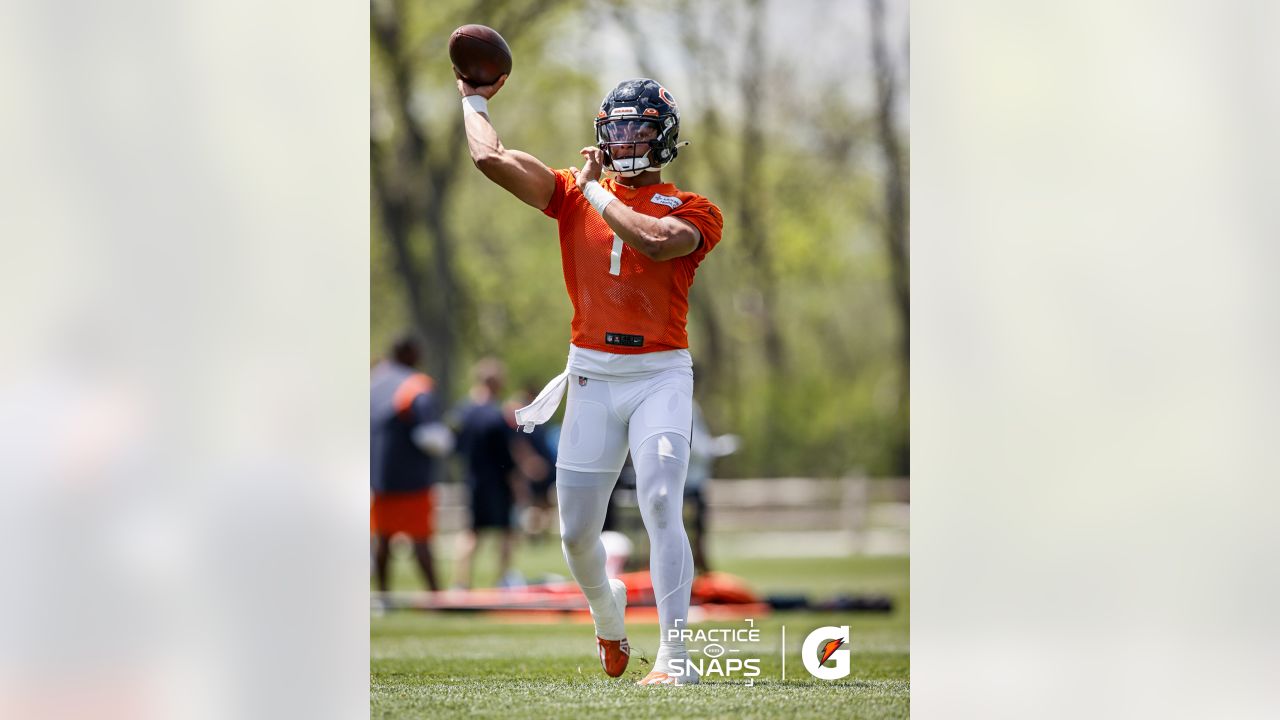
point(895, 213)
point(414, 174)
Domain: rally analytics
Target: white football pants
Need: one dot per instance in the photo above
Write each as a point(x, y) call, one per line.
point(603, 419)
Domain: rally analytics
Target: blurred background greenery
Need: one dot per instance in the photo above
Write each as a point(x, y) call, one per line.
point(797, 116)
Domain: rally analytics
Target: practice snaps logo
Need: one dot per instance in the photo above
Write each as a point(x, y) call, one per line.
point(827, 645)
point(714, 660)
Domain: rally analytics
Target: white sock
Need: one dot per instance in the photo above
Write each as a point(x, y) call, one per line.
point(605, 613)
point(667, 651)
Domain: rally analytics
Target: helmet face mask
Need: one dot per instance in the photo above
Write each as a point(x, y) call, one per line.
point(637, 127)
point(627, 143)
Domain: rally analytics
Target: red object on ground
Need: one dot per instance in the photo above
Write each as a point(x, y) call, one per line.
point(713, 587)
point(714, 596)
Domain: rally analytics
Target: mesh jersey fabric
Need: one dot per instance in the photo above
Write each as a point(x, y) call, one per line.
point(647, 298)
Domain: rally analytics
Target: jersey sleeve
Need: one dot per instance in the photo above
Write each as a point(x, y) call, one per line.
point(414, 397)
point(704, 215)
point(564, 181)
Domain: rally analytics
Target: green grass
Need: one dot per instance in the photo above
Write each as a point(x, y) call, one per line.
point(447, 666)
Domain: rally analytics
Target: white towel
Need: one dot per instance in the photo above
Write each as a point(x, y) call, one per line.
point(545, 405)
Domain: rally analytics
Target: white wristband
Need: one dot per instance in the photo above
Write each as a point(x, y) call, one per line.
point(598, 196)
point(475, 104)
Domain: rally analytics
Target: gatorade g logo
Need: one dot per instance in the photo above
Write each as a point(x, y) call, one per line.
point(827, 644)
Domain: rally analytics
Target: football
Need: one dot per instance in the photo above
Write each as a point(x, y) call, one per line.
point(479, 54)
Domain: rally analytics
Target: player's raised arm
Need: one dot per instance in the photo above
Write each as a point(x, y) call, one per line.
point(520, 173)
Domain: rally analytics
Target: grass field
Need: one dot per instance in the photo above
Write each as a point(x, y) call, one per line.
point(452, 666)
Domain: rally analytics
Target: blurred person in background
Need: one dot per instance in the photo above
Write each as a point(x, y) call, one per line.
point(539, 514)
point(407, 439)
point(704, 449)
point(497, 464)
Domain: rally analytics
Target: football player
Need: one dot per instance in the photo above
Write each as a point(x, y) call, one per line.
point(630, 245)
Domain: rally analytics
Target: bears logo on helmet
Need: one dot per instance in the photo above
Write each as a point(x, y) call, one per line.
point(638, 127)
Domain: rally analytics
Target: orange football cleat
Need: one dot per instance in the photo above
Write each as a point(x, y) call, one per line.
point(614, 655)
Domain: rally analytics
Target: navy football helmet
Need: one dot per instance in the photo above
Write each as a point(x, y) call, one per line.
point(638, 127)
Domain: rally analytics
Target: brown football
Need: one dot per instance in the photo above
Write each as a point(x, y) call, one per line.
point(479, 54)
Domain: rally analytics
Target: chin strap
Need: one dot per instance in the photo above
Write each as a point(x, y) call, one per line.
point(647, 168)
point(613, 166)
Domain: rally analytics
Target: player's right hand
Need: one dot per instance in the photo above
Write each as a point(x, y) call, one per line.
point(485, 91)
point(591, 168)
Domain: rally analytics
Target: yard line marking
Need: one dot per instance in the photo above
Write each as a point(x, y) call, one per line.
point(784, 653)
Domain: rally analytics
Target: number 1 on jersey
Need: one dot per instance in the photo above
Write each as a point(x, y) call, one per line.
point(615, 257)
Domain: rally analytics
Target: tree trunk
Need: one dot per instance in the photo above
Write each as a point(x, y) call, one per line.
point(750, 199)
point(396, 226)
point(895, 227)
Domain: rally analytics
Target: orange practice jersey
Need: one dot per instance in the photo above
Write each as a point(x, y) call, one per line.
point(623, 302)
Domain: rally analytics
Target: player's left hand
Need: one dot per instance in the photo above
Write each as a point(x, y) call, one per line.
point(591, 169)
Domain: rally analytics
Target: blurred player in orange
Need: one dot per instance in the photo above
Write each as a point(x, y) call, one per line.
point(406, 444)
point(629, 245)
